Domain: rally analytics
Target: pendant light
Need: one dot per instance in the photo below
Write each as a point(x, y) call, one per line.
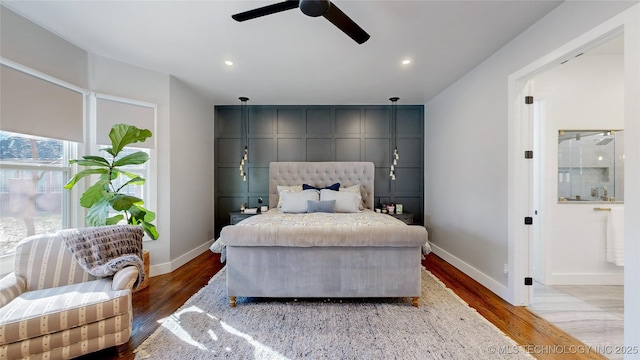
point(394, 137)
point(244, 129)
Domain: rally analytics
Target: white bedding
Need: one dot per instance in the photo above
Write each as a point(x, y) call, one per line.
point(366, 228)
point(274, 217)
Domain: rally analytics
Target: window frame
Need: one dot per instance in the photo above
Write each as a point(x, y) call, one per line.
point(151, 183)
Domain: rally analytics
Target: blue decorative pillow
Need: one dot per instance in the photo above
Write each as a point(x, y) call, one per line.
point(334, 187)
point(321, 206)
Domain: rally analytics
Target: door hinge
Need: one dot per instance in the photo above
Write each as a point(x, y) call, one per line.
point(528, 220)
point(528, 154)
point(528, 100)
point(528, 281)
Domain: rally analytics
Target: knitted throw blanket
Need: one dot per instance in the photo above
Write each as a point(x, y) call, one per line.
point(104, 250)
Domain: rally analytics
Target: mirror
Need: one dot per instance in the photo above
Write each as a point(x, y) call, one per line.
point(591, 165)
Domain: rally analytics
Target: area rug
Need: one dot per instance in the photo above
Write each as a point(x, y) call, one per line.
point(442, 327)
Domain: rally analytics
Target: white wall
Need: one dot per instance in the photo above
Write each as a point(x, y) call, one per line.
point(466, 152)
point(632, 179)
point(192, 136)
point(585, 93)
point(467, 157)
point(30, 45)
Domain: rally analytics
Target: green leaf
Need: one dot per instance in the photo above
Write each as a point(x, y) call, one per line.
point(136, 211)
point(128, 174)
point(121, 202)
point(87, 163)
point(150, 230)
point(136, 158)
point(135, 181)
point(122, 135)
point(82, 174)
point(149, 216)
point(97, 215)
point(114, 175)
point(109, 151)
point(114, 219)
point(96, 158)
point(89, 160)
point(139, 212)
point(95, 193)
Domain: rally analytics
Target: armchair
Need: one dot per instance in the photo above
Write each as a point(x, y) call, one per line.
point(52, 308)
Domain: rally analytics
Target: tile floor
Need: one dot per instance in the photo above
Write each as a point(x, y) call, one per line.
point(592, 314)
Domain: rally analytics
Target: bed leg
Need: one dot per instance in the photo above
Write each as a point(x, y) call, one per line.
point(121, 349)
point(414, 301)
point(232, 301)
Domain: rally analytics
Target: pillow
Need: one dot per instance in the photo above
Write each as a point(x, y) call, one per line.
point(296, 202)
point(321, 206)
point(334, 187)
point(355, 189)
point(346, 202)
point(287, 188)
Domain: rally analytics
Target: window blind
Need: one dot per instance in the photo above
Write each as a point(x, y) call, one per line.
point(35, 106)
point(110, 111)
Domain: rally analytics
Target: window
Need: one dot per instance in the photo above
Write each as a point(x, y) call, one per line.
point(42, 122)
point(109, 110)
point(32, 173)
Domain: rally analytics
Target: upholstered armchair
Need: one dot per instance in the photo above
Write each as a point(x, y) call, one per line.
point(52, 308)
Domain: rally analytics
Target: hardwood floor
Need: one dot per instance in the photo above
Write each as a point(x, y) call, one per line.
point(164, 295)
point(543, 339)
point(168, 292)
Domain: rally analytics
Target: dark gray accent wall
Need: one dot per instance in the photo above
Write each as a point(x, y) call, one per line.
point(317, 133)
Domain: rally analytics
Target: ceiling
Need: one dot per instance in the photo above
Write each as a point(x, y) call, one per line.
point(288, 57)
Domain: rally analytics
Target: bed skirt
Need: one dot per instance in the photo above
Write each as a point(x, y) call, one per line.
point(323, 272)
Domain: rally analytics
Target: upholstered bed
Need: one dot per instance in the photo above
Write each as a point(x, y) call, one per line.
point(322, 254)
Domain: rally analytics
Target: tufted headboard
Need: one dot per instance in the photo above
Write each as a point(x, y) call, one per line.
point(322, 174)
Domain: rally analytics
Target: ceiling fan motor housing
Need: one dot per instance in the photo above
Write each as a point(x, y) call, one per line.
point(314, 8)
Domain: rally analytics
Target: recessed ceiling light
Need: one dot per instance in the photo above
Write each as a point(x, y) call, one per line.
point(406, 62)
point(228, 62)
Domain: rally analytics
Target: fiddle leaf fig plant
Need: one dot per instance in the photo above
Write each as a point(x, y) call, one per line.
point(104, 195)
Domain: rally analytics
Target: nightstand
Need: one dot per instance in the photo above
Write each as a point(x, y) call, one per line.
point(237, 216)
point(406, 217)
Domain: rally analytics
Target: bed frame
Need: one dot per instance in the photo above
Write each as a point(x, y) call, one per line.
point(323, 272)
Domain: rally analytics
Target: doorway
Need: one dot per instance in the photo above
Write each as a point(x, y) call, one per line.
point(583, 90)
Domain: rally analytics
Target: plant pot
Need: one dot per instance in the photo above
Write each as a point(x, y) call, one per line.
point(145, 260)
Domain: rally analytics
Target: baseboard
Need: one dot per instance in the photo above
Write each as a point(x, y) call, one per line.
point(165, 268)
point(469, 270)
point(585, 279)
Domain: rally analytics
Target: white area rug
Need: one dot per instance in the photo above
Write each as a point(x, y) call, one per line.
point(443, 327)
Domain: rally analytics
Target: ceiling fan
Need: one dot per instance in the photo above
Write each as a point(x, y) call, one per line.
point(312, 8)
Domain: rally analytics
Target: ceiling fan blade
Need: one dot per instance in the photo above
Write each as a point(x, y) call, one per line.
point(344, 23)
point(266, 10)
